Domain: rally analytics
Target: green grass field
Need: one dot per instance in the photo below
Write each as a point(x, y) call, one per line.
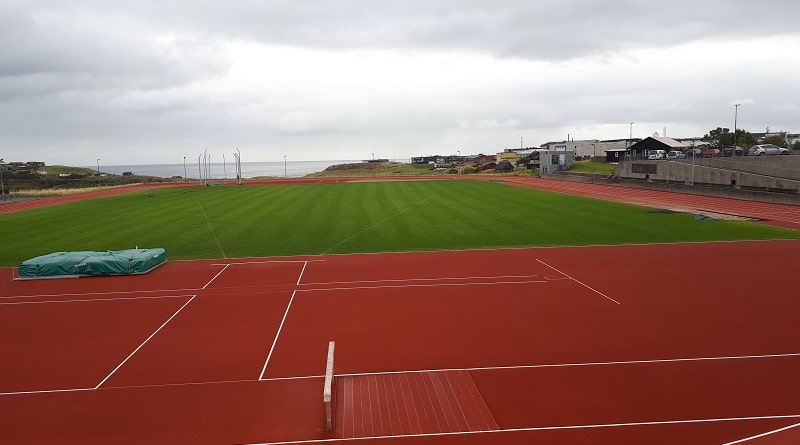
point(253, 220)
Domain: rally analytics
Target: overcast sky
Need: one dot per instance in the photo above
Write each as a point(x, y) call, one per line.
point(151, 82)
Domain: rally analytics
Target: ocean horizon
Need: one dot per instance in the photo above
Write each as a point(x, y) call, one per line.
point(225, 170)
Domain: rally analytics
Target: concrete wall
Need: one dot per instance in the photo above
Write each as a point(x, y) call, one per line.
point(749, 172)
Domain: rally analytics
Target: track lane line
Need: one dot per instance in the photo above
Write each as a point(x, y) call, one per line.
point(277, 334)
point(144, 342)
point(581, 283)
point(544, 428)
point(747, 439)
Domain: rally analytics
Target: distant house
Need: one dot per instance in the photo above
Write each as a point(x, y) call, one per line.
point(614, 155)
point(504, 167)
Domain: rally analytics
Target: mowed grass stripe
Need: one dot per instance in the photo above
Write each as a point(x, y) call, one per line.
point(349, 217)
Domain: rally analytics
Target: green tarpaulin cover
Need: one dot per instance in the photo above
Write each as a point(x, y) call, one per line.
point(119, 262)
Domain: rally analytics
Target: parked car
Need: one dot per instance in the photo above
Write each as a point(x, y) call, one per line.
point(656, 154)
point(712, 153)
point(767, 149)
point(729, 151)
point(675, 154)
point(694, 153)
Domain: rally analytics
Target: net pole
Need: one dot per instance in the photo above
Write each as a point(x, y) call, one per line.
point(327, 392)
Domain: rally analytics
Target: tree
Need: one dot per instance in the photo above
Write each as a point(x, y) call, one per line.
point(722, 137)
point(719, 137)
point(776, 139)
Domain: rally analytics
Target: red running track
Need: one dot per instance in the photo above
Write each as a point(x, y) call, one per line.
point(781, 215)
point(612, 344)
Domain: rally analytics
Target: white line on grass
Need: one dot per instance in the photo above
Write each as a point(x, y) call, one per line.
point(580, 282)
point(145, 342)
point(388, 218)
point(211, 229)
point(277, 334)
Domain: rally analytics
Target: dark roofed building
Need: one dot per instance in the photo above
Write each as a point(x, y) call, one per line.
point(641, 148)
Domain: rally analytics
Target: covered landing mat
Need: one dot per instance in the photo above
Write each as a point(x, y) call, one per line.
point(76, 264)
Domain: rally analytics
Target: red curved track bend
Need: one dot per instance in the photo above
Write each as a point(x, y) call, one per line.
point(589, 345)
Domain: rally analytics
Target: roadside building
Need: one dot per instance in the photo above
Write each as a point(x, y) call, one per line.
point(641, 149)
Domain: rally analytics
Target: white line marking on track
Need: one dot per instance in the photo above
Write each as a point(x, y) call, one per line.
point(406, 280)
point(486, 368)
point(568, 365)
point(747, 439)
point(544, 428)
point(215, 277)
point(45, 391)
point(400, 286)
point(95, 299)
point(236, 263)
point(302, 271)
point(145, 342)
point(277, 334)
point(580, 282)
point(127, 292)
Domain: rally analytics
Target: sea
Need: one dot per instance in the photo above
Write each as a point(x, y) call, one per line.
point(223, 170)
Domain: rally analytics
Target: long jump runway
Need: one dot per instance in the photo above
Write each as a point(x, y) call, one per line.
point(682, 343)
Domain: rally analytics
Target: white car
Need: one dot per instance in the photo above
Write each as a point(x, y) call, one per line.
point(656, 154)
point(767, 149)
point(675, 154)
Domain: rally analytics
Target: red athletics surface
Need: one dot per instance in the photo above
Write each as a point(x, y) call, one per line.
point(682, 343)
point(782, 215)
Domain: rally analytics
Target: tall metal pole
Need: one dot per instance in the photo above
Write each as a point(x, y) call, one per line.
point(184, 167)
point(735, 118)
point(238, 156)
point(630, 139)
point(98, 172)
point(285, 176)
point(199, 170)
point(2, 185)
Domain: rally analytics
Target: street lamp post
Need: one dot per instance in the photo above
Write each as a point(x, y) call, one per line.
point(735, 119)
point(630, 139)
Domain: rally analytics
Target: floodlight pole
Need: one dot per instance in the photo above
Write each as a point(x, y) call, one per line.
point(285, 175)
point(184, 168)
point(199, 170)
point(98, 172)
point(238, 156)
point(735, 119)
point(2, 185)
